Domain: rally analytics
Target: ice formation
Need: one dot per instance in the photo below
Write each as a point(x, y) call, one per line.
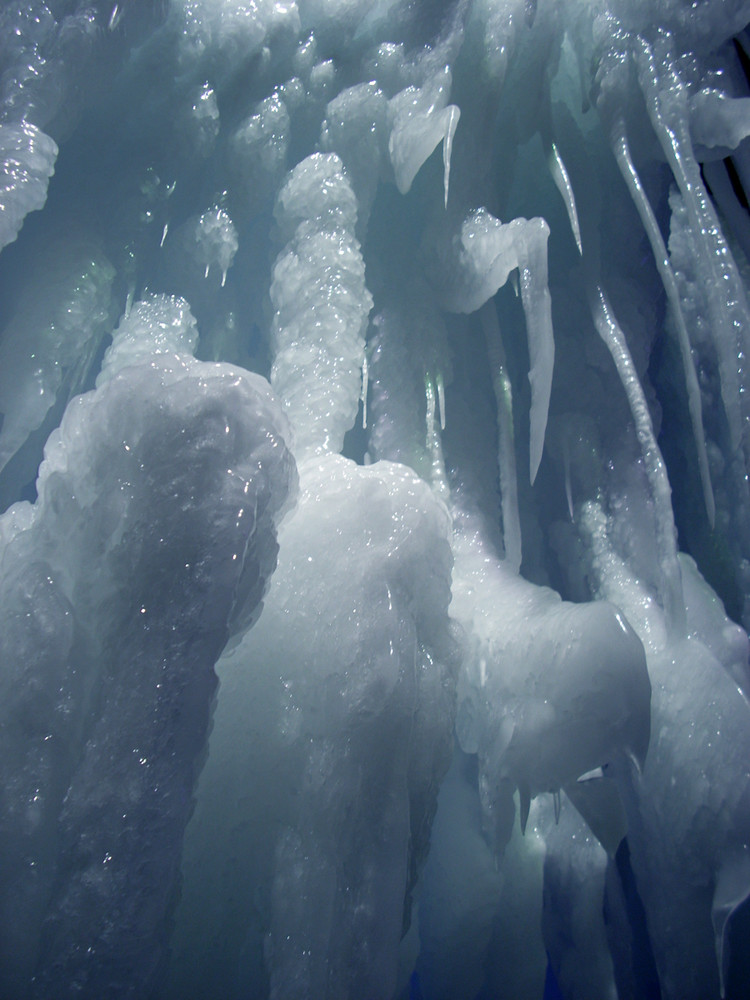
point(375, 532)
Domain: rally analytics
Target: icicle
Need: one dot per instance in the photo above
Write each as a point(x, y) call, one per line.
point(164, 232)
point(450, 131)
point(613, 337)
point(208, 268)
point(365, 377)
point(557, 804)
point(438, 478)
point(506, 453)
point(728, 305)
point(568, 487)
point(664, 266)
point(537, 307)
point(563, 185)
point(441, 399)
point(114, 17)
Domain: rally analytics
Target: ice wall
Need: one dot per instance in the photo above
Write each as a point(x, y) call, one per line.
point(375, 532)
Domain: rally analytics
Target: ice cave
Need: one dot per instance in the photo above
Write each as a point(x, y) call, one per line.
point(375, 533)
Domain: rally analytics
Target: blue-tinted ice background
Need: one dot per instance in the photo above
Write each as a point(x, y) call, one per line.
point(375, 556)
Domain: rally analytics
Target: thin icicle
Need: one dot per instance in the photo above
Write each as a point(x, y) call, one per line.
point(365, 380)
point(441, 399)
point(506, 454)
point(438, 477)
point(729, 314)
point(537, 307)
point(666, 272)
point(614, 338)
point(563, 185)
point(450, 131)
point(568, 487)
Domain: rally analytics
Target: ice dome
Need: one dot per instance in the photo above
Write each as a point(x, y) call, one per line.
point(375, 499)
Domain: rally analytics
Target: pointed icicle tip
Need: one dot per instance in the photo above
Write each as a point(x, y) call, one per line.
point(450, 130)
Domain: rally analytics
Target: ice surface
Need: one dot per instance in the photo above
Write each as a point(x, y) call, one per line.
point(489, 736)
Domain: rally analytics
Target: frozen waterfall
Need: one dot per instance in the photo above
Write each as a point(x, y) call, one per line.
point(374, 499)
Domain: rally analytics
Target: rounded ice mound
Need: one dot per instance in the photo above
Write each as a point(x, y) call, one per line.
point(27, 158)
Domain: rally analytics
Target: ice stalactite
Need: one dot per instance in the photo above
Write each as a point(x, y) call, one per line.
point(421, 119)
point(512, 542)
point(665, 95)
point(666, 271)
point(470, 269)
point(612, 335)
point(563, 185)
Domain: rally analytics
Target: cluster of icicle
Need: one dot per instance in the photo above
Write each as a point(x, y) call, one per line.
point(481, 724)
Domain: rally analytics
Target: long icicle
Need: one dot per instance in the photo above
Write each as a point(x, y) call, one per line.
point(614, 338)
point(621, 150)
point(537, 308)
point(506, 454)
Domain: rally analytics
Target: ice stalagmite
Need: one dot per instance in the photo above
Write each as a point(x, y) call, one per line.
point(188, 459)
point(321, 304)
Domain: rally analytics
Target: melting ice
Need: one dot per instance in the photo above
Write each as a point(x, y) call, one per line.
point(375, 532)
